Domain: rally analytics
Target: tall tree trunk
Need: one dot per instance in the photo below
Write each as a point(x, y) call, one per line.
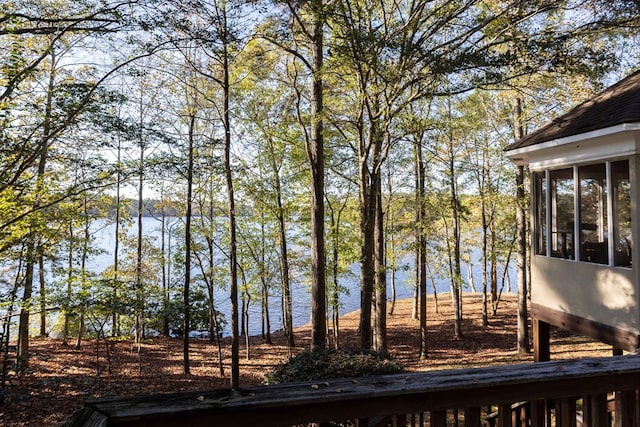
point(266, 321)
point(67, 301)
point(209, 273)
point(43, 293)
point(456, 278)
point(335, 218)
point(231, 209)
point(315, 152)
point(421, 265)
point(521, 230)
point(485, 255)
point(493, 268)
point(163, 262)
point(84, 284)
point(335, 298)
point(115, 327)
point(138, 272)
point(287, 308)
point(370, 181)
point(380, 343)
point(22, 359)
point(367, 269)
point(187, 249)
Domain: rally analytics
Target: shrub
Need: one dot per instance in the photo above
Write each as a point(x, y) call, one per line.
point(310, 366)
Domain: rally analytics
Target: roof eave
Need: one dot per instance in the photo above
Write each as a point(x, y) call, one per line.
point(520, 156)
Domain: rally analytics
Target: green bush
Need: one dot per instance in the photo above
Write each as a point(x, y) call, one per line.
point(311, 366)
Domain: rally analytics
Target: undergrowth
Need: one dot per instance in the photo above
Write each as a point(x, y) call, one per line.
point(314, 365)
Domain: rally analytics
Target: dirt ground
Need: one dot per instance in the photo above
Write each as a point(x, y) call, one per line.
point(61, 378)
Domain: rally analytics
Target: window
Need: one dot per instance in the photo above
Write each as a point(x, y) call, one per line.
point(593, 231)
point(584, 213)
point(562, 208)
point(621, 213)
point(540, 213)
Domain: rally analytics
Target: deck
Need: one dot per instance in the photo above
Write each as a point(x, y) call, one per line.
point(590, 392)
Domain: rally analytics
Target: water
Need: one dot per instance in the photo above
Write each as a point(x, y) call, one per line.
point(104, 235)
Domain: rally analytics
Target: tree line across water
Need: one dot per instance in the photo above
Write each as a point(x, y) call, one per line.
point(294, 139)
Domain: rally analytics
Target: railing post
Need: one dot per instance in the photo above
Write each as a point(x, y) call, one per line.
point(541, 341)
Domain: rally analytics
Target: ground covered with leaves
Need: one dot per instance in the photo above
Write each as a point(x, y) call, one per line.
point(61, 377)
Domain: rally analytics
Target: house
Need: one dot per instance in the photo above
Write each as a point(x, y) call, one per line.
point(584, 174)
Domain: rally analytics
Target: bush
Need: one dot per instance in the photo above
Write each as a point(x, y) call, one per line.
point(311, 366)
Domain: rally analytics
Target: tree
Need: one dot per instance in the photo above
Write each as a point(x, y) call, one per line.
point(306, 44)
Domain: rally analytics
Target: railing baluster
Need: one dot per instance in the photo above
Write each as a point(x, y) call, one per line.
point(538, 413)
point(567, 412)
point(523, 415)
point(505, 415)
point(594, 410)
point(438, 418)
point(472, 417)
point(400, 421)
point(625, 408)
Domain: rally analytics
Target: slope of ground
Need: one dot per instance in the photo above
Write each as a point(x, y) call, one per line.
point(61, 377)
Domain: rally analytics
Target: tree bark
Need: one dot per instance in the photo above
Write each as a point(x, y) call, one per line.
point(421, 265)
point(456, 273)
point(381, 275)
point(43, 293)
point(315, 152)
point(521, 230)
point(187, 250)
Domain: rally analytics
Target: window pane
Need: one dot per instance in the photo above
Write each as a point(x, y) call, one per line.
point(540, 212)
point(562, 207)
point(593, 213)
point(621, 213)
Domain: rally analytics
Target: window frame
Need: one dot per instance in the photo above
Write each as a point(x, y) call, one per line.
point(543, 235)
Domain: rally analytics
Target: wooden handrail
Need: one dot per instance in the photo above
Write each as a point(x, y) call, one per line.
point(396, 395)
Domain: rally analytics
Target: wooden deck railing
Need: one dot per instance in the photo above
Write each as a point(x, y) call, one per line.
point(589, 392)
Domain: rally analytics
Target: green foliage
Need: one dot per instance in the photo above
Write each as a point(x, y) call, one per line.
point(311, 365)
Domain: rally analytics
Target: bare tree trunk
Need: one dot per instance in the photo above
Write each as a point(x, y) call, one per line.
point(389, 221)
point(287, 307)
point(186, 297)
point(67, 301)
point(485, 255)
point(315, 151)
point(456, 273)
point(266, 321)
point(367, 227)
point(22, 359)
point(163, 262)
point(380, 343)
point(231, 209)
point(138, 272)
point(83, 274)
point(115, 327)
point(422, 247)
point(521, 231)
point(43, 293)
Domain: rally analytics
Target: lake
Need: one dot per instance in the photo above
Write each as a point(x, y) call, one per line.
point(105, 239)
